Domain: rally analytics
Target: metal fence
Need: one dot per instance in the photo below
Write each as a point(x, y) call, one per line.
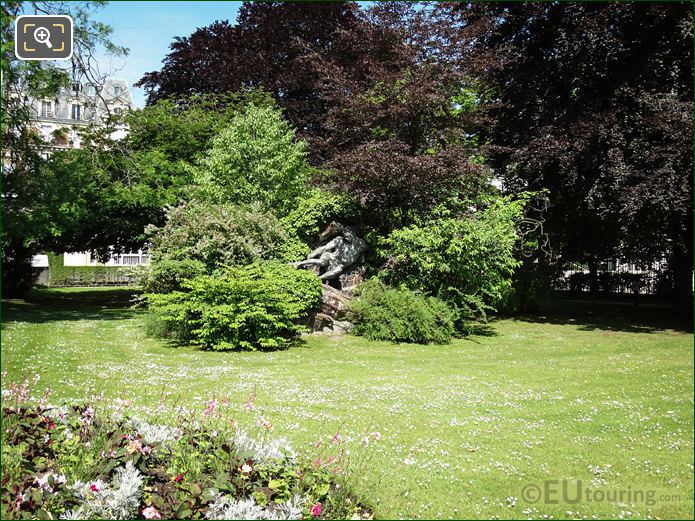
point(617, 277)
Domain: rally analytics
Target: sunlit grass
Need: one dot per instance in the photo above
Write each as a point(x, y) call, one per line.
point(606, 398)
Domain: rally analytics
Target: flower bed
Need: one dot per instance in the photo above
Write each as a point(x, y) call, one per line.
point(71, 463)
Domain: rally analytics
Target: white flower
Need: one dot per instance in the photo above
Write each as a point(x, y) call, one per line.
point(42, 482)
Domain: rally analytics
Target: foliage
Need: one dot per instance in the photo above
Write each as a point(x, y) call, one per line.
point(182, 128)
point(35, 203)
point(257, 306)
point(400, 315)
point(61, 275)
point(118, 187)
point(216, 234)
point(89, 276)
point(256, 159)
point(224, 57)
point(397, 187)
point(166, 274)
point(17, 273)
point(316, 209)
point(75, 462)
point(595, 104)
point(467, 262)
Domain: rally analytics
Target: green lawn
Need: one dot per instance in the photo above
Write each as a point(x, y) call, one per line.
point(602, 394)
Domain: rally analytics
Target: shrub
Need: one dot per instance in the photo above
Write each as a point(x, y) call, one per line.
point(258, 306)
point(315, 210)
point(255, 159)
point(167, 275)
point(214, 235)
point(60, 275)
point(467, 262)
point(400, 315)
point(76, 462)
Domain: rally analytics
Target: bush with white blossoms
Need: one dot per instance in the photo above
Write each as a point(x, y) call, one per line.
point(72, 462)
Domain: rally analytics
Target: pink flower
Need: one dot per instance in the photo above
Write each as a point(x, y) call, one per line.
point(134, 446)
point(337, 438)
point(210, 408)
point(178, 478)
point(151, 513)
point(93, 488)
point(315, 510)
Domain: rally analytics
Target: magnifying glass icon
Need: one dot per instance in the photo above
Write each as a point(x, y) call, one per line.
point(43, 35)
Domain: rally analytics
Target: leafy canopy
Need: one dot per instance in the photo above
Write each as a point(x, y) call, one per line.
point(255, 159)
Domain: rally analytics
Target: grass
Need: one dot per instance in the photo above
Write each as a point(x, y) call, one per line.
point(601, 394)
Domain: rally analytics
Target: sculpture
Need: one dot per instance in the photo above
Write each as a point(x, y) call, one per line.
point(343, 249)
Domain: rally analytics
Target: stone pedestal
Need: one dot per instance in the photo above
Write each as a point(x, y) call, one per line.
point(331, 316)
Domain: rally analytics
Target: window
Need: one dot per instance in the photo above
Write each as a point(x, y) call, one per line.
point(116, 90)
point(76, 88)
point(76, 112)
point(117, 110)
point(47, 109)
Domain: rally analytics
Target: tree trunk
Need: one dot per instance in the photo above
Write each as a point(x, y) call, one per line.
point(682, 267)
point(593, 277)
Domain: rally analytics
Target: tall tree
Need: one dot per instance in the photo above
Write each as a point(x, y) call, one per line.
point(120, 187)
point(269, 47)
point(35, 203)
point(594, 103)
point(403, 140)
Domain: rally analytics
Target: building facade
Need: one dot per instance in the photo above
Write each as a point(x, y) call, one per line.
point(59, 120)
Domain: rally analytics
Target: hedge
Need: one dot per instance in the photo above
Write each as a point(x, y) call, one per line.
point(60, 275)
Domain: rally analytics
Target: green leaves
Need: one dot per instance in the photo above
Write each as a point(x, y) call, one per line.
point(468, 262)
point(400, 315)
point(255, 159)
point(258, 306)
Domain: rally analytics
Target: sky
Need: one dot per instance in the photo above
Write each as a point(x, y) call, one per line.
point(147, 29)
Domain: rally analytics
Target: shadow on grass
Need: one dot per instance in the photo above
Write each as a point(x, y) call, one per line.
point(478, 329)
point(609, 315)
point(50, 305)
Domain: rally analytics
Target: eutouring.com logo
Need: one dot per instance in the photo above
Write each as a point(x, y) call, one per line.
point(572, 492)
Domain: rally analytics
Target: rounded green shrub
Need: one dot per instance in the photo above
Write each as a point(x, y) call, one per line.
point(401, 315)
point(257, 306)
point(167, 275)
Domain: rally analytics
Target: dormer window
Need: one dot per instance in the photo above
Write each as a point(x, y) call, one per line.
point(76, 88)
point(117, 110)
point(116, 90)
